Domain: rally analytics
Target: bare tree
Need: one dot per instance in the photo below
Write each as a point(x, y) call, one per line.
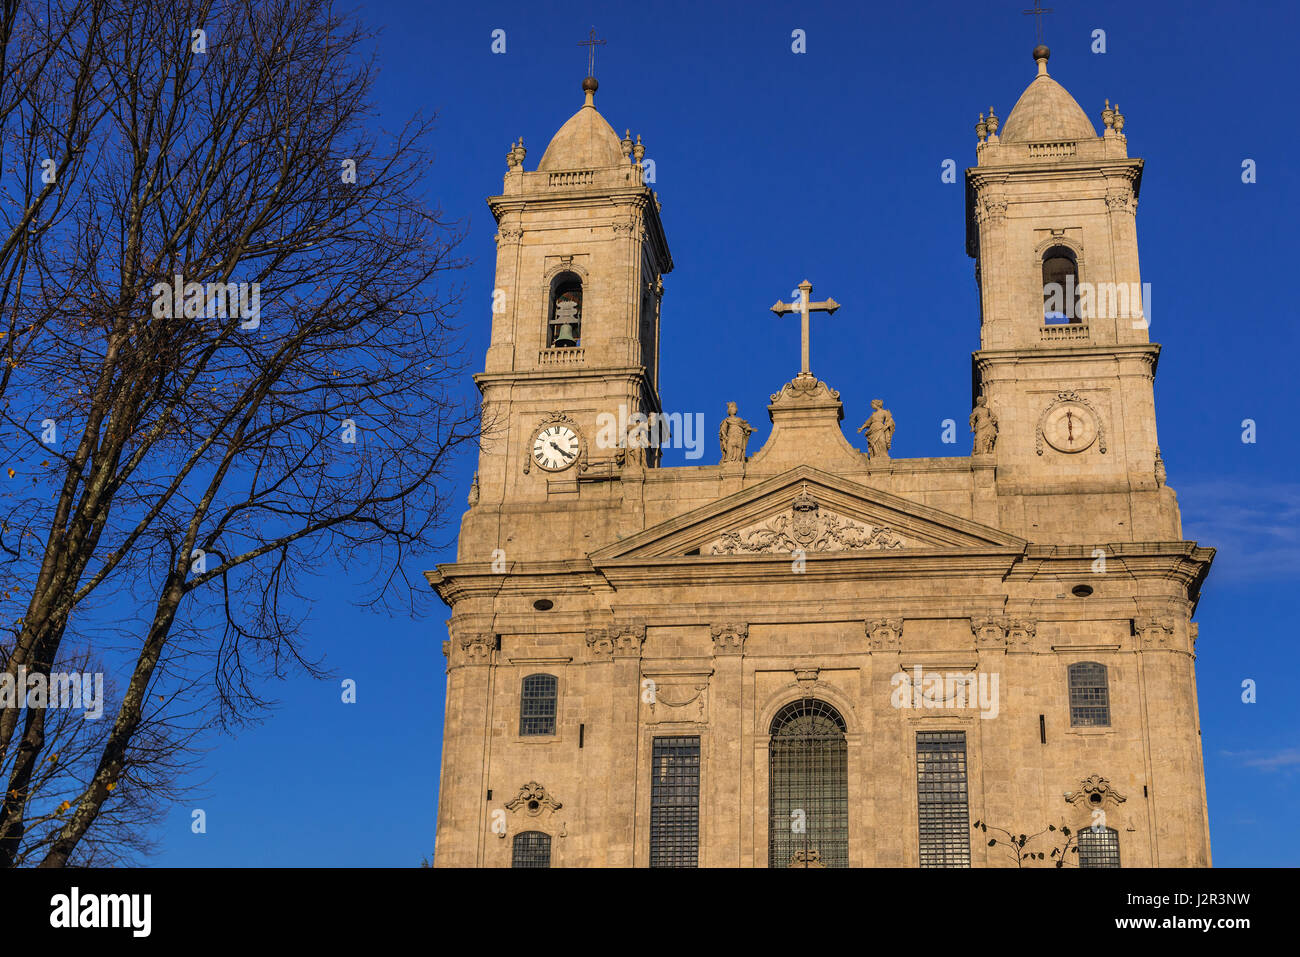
point(238, 329)
point(74, 740)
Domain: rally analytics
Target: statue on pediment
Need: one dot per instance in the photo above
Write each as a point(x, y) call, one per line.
point(879, 429)
point(733, 435)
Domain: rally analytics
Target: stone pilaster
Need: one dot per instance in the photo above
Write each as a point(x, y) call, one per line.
point(726, 749)
point(462, 792)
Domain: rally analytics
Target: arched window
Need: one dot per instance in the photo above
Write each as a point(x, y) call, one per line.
point(537, 705)
point(808, 787)
point(1089, 695)
point(1060, 286)
point(531, 849)
point(564, 328)
point(1099, 847)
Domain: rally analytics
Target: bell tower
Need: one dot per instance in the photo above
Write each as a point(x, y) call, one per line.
point(575, 320)
point(1065, 360)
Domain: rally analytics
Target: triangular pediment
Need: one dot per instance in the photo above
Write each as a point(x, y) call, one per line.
point(810, 510)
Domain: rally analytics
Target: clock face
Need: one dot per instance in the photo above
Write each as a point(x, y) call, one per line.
point(556, 447)
point(1070, 427)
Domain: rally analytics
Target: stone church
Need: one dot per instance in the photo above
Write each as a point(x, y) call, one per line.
point(813, 654)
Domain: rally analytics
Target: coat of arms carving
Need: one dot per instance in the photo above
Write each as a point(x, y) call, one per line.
point(806, 527)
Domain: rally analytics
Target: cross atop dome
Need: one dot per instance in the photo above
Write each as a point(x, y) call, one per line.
point(1037, 13)
point(591, 43)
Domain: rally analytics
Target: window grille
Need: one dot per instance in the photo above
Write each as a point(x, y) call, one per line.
point(675, 802)
point(531, 849)
point(808, 787)
point(1089, 695)
point(537, 705)
point(1099, 847)
point(941, 798)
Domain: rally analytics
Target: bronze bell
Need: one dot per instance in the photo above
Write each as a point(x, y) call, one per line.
point(565, 338)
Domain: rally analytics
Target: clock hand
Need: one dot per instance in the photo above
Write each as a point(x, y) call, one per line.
point(567, 455)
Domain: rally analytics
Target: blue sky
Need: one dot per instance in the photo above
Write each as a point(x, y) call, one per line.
point(773, 167)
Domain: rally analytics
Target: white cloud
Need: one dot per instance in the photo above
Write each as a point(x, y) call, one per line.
point(1254, 526)
point(1272, 762)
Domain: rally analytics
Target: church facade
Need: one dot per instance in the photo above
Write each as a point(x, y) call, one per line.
point(813, 654)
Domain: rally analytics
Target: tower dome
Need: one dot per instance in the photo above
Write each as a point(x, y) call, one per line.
point(585, 141)
point(1046, 111)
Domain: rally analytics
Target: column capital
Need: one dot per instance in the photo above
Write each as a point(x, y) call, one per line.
point(729, 638)
point(884, 634)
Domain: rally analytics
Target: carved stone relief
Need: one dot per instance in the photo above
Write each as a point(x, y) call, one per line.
point(884, 634)
point(1154, 632)
point(1020, 633)
point(729, 638)
point(477, 649)
point(676, 698)
point(990, 632)
point(807, 527)
point(1095, 791)
point(533, 800)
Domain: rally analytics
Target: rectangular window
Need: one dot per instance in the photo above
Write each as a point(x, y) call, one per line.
point(675, 803)
point(1089, 695)
point(941, 798)
point(537, 705)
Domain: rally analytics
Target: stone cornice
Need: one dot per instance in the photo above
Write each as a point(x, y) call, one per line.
point(1185, 563)
point(544, 377)
point(456, 581)
point(702, 570)
point(634, 194)
point(1143, 351)
point(1130, 169)
point(981, 178)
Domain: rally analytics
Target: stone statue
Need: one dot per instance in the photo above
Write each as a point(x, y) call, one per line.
point(638, 440)
point(985, 426)
point(1161, 476)
point(879, 429)
point(734, 435)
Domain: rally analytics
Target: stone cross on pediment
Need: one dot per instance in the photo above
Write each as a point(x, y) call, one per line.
point(804, 307)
